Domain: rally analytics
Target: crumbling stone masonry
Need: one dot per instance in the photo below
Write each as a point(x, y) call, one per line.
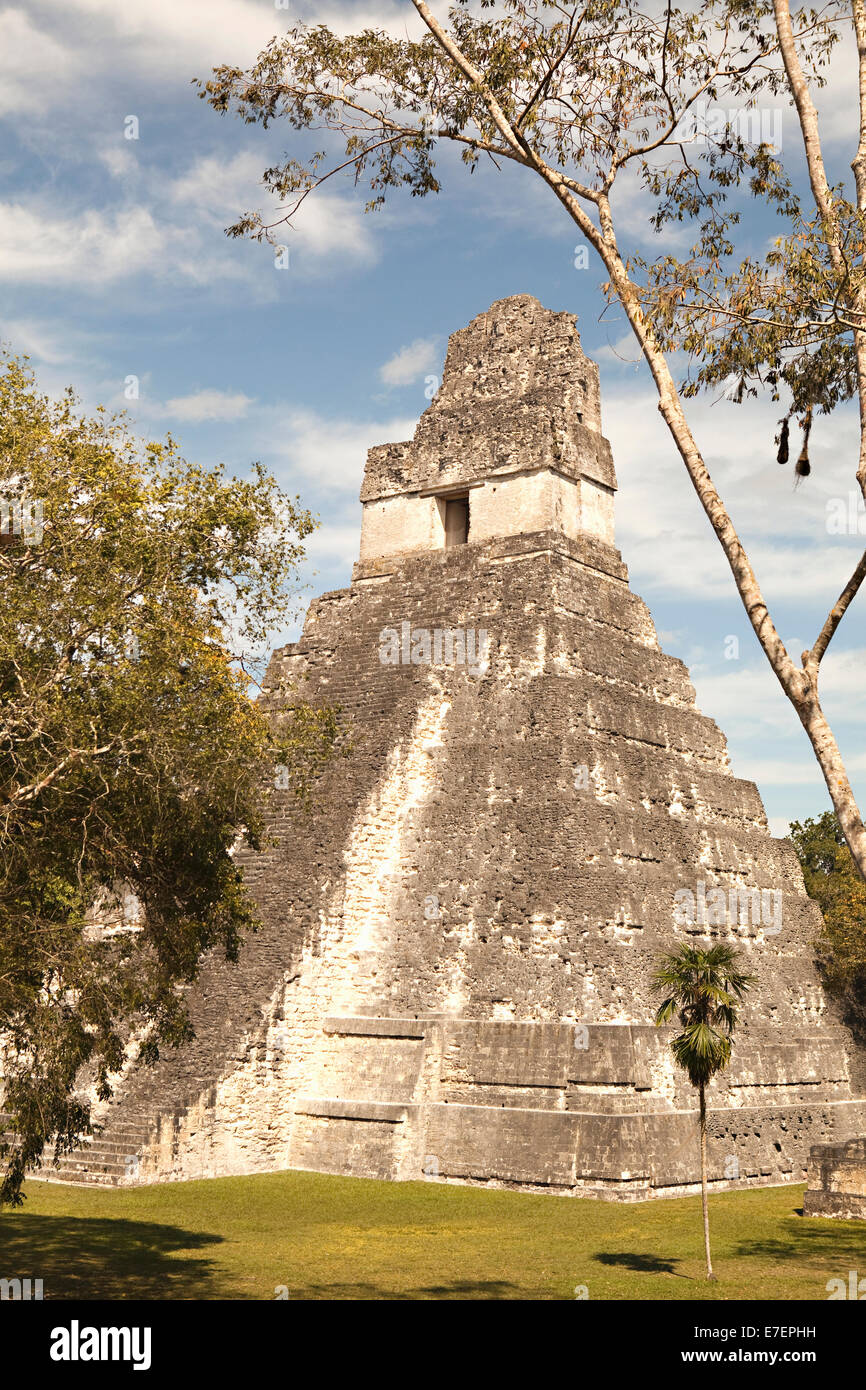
point(453, 978)
point(837, 1180)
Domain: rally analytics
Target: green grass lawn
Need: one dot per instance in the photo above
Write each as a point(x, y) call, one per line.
point(330, 1237)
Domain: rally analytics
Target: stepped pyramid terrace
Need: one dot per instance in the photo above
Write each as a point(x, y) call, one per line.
point(453, 978)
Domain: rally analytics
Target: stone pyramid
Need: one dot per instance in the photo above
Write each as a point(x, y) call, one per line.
point(453, 977)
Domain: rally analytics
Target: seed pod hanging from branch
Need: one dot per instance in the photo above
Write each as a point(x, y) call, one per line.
point(804, 467)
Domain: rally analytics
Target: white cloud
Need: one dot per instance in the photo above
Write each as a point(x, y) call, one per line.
point(334, 545)
point(161, 41)
point(835, 102)
point(779, 827)
point(353, 16)
point(38, 246)
point(749, 695)
point(35, 339)
point(169, 36)
point(333, 228)
point(624, 351)
point(333, 452)
point(33, 61)
point(411, 362)
point(119, 159)
point(326, 227)
point(178, 239)
point(208, 405)
point(780, 772)
point(217, 188)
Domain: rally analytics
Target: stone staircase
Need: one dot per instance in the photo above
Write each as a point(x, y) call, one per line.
point(110, 1157)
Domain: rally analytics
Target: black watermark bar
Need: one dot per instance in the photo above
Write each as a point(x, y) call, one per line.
point(169, 1339)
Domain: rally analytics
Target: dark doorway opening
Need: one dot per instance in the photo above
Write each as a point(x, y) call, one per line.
point(456, 520)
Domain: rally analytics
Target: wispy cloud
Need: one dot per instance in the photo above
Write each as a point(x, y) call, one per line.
point(166, 36)
point(40, 246)
point(421, 357)
point(331, 451)
point(174, 233)
point(44, 341)
point(748, 692)
point(33, 60)
point(208, 405)
point(328, 234)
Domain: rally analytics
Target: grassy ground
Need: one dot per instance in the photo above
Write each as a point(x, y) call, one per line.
point(329, 1237)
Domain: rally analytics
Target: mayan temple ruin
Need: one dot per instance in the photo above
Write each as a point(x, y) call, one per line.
point(452, 981)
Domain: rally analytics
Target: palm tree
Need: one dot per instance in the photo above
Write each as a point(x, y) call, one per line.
point(703, 989)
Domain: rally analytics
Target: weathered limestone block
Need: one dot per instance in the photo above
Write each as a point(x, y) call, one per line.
point(837, 1180)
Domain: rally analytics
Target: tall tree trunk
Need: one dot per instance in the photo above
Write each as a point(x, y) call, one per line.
point(704, 1200)
point(798, 683)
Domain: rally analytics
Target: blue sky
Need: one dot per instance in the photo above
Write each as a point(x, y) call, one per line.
point(114, 264)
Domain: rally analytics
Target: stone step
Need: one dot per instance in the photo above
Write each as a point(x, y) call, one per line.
point(105, 1158)
point(121, 1147)
point(78, 1180)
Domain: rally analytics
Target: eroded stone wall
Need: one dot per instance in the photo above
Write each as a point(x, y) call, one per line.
point(837, 1180)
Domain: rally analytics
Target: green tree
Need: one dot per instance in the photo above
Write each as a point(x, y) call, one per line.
point(608, 95)
point(831, 878)
point(135, 587)
point(702, 989)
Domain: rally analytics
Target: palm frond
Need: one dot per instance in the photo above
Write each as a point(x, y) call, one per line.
point(702, 989)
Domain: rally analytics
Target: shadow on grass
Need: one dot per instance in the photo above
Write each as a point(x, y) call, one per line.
point(803, 1240)
point(474, 1289)
point(640, 1264)
point(96, 1258)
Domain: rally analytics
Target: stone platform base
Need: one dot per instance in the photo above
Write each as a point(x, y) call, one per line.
point(586, 1110)
point(837, 1180)
point(592, 1110)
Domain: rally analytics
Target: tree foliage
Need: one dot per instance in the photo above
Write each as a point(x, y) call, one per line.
point(703, 989)
point(832, 879)
point(132, 757)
